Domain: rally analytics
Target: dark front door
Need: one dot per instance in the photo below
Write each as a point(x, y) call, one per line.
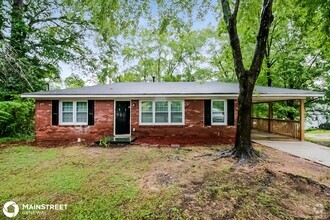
point(122, 117)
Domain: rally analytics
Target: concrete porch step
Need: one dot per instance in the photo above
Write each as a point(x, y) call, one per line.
point(120, 139)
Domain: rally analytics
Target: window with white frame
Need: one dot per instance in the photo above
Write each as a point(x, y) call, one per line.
point(161, 112)
point(73, 112)
point(146, 115)
point(176, 112)
point(219, 112)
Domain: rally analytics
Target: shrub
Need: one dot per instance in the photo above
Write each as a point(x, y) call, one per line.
point(325, 126)
point(16, 118)
point(104, 142)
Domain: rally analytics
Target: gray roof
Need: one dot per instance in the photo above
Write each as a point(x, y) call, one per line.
point(150, 89)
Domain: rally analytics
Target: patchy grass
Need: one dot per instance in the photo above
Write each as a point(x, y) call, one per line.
point(161, 183)
point(318, 136)
point(318, 131)
point(19, 138)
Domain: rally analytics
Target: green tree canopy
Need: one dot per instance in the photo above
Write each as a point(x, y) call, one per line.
point(34, 37)
point(74, 81)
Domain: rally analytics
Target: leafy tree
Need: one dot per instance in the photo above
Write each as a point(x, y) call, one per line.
point(34, 37)
point(74, 81)
point(37, 35)
point(156, 39)
point(167, 53)
point(297, 54)
point(315, 8)
point(11, 65)
point(246, 77)
point(297, 51)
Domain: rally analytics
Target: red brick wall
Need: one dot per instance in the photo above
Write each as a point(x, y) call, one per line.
point(45, 131)
point(193, 132)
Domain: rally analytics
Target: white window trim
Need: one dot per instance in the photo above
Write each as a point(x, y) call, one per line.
point(225, 112)
point(74, 113)
point(154, 113)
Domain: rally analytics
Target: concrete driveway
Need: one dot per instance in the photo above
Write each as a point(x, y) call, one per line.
point(315, 152)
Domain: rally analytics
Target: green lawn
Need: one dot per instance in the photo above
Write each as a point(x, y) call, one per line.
point(96, 184)
point(318, 136)
point(148, 183)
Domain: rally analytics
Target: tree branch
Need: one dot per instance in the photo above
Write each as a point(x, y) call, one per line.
point(236, 9)
point(32, 22)
point(230, 20)
point(313, 60)
point(270, 41)
point(265, 23)
point(272, 63)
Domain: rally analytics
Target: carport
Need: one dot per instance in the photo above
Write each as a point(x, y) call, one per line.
point(285, 127)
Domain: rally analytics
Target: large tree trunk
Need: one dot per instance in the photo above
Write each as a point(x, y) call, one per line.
point(269, 76)
point(18, 27)
point(247, 77)
point(243, 145)
point(2, 19)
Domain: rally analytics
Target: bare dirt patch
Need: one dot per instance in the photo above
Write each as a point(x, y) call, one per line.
point(184, 140)
point(281, 186)
point(186, 165)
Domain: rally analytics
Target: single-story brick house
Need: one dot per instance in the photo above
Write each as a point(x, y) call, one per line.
point(179, 112)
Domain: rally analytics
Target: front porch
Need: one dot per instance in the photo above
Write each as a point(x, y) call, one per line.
point(283, 127)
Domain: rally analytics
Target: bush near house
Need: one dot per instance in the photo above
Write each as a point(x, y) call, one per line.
point(325, 126)
point(16, 118)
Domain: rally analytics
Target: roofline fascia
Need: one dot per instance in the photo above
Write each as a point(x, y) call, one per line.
point(169, 95)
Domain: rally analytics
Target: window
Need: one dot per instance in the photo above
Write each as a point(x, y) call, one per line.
point(67, 112)
point(161, 112)
point(146, 112)
point(218, 112)
point(176, 112)
point(72, 113)
point(81, 111)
